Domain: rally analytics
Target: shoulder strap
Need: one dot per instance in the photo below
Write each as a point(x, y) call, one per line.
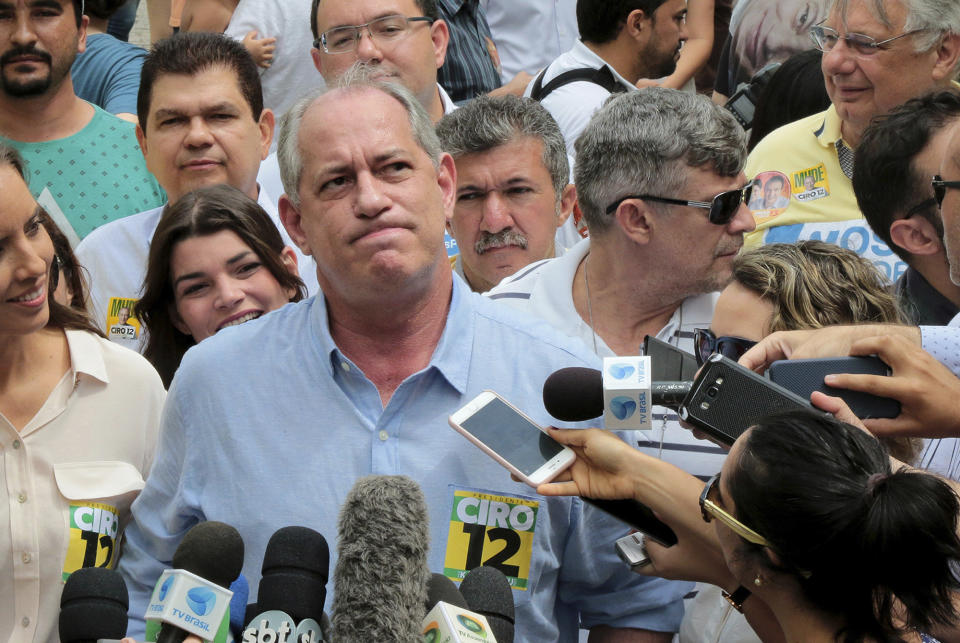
point(603, 77)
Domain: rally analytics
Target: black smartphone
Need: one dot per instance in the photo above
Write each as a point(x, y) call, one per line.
point(726, 399)
point(667, 362)
point(804, 376)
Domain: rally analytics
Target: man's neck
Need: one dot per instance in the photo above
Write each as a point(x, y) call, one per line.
point(54, 115)
point(621, 58)
point(936, 270)
point(393, 336)
point(435, 107)
point(624, 308)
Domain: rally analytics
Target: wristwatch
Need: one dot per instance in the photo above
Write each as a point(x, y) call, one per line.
point(737, 598)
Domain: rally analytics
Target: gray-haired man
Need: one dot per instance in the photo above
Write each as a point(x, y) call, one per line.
point(512, 186)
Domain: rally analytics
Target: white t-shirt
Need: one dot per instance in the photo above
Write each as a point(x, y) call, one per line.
point(529, 34)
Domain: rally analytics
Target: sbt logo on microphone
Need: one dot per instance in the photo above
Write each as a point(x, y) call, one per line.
point(274, 626)
point(626, 392)
point(189, 602)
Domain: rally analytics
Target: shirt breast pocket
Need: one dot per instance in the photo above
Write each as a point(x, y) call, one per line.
point(97, 496)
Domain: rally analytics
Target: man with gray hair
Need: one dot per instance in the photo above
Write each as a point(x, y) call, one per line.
point(363, 378)
point(512, 186)
point(660, 181)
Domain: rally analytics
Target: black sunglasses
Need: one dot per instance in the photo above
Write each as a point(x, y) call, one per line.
point(707, 344)
point(940, 188)
point(722, 207)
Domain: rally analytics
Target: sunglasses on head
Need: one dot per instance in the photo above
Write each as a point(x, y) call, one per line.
point(940, 188)
point(707, 344)
point(722, 207)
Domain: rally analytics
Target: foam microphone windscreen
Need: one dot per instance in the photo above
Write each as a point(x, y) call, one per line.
point(380, 580)
point(487, 592)
point(574, 394)
point(211, 550)
point(296, 565)
point(440, 588)
point(93, 606)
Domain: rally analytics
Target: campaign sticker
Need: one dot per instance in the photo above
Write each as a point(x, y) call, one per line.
point(811, 184)
point(771, 195)
point(122, 326)
point(94, 528)
point(493, 529)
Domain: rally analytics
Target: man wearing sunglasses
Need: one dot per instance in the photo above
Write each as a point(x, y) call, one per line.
point(877, 54)
point(894, 162)
point(660, 182)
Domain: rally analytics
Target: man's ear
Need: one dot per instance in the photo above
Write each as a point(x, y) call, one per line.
point(440, 34)
point(916, 235)
point(948, 53)
point(447, 180)
point(82, 35)
point(317, 56)
point(635, 219)
point(141, 140)
point(568, 199)
point(636, 23)
point(266, 124)
point(293, 223)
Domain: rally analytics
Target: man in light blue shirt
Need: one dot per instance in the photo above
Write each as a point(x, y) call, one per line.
point(270, 423)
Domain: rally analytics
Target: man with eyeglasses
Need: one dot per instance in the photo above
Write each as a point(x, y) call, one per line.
point(401, 41)
point(877, 54)
point(660, 181)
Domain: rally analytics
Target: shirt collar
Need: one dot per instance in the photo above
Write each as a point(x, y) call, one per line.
point(453, 6)
point(828, 132)
point(86, 357)
point(452, 355)
point(583, 54)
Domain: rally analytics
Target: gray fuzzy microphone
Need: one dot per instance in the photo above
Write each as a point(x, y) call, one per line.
point(381, 576)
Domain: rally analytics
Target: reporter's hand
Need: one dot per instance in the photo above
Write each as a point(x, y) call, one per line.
point(602, 468)
point(837, 407)
point(696, 557)
point(929, 394)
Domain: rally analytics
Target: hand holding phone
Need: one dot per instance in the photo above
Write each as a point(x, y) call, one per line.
point(632, 550)
point(511, 438)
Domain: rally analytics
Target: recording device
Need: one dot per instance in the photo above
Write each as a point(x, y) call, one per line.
point(192, 598)
point(632, 549)
point(669, 363)
point(449, 618)
point(488, 592)
point(804, 376)
point(511, 438)
point(727, 399)
point(93, 606)
point(743, 103)
point(292, 591)
point(381, 576)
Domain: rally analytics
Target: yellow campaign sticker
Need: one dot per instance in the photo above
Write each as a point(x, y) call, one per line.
point(811, 184)
point(94, 528)
point(121, 324)
point(491, 529)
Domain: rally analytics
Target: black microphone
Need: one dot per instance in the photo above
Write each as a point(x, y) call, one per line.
point(440, 588)
point(293, 587)
point(487, 592)
point(575, 394)
point(380, 579)
point(93, 606)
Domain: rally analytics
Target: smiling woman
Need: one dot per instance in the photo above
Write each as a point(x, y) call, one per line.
point(216, 260)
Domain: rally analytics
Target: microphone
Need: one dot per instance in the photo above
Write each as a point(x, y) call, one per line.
point(380, 579)
point(293, 588)
point(487, 592)
point(450, 619)
point(93, 606)
point(192, 597)
point(578, 394)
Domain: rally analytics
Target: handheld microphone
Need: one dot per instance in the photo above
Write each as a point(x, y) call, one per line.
point(449, 618)
point(577, 394)
point(441, 589)
point(93, 606)
point(381, 575)
point(488, 592)
point(192, 597)
point(293, 588)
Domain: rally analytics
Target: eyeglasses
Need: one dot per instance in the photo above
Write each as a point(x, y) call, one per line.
point(722, 207)
point(707, 344)
point(710, 509)
point(826, 38)
point(343, 40)
point(940, 188)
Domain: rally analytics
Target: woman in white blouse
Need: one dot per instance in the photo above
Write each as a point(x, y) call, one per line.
point(78, 424)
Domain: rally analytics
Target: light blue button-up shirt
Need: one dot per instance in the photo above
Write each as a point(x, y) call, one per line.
point(268, 424)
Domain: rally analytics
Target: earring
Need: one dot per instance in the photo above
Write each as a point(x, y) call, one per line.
point(758, 581)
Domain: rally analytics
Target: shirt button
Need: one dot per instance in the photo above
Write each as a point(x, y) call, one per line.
point(26, 558)
point(16, 444)
point(25, 622)
point(384, 436)
point(22, 498)
point(345, 365)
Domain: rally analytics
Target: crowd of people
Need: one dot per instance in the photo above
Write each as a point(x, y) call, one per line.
point(271, 255)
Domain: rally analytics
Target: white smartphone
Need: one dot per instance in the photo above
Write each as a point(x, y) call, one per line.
point(512, 439)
